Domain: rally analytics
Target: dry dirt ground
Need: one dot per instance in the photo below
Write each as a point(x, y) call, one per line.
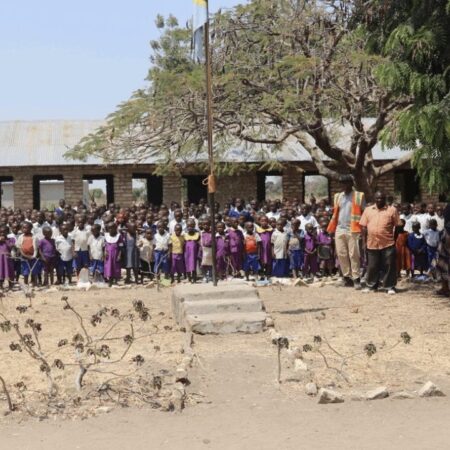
point(234, 401)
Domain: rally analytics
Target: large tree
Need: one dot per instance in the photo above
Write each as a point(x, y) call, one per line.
point(415, 36)
point(285, 72)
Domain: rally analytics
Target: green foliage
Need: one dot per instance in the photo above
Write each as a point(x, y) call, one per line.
point(415, 35)
point(285, 73)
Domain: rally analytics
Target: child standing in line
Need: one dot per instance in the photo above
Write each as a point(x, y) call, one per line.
point(206, 251)
point(131, 253)
point(191, 250)
point(14, 236)
point(113, 254)
point(252, 249)
point(279, 241)
point(96, 246)
point(310, 266)
point(418, 248)
point(28, 245)
point(80, 236)
point(176, 251)
point(6, 263)
point(236, 240)
point(222, 251)
point(161, 251)
point(64, 247)
point(146, 245)
point(295, 252)
point(401, 247)
point(432, 238)
point(325, 250)
point(48, 255)
point(265, 233)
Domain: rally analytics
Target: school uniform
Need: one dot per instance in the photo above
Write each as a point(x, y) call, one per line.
point(64, 246)
point(432, 238)
point(80, 239)
point(96, 246)
point(161, 252)
point(279, 241)
point(251, 259)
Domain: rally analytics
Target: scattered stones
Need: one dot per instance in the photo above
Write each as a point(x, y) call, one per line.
point(103, 409)
point(300, 365)
point(429, 389)
point(377, 394)
point(311, 389)
point(402, 395)
point(328, 396)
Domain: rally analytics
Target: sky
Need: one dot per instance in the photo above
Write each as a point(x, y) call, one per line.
point(77, 59)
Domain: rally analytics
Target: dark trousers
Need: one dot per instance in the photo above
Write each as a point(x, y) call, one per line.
point(381, 267)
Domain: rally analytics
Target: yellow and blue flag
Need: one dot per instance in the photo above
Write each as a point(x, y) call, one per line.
point(199, 20)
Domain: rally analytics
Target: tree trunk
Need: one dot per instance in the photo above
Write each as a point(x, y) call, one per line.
point(364, 182)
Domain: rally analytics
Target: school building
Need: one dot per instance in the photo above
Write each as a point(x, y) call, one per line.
point(33, 158)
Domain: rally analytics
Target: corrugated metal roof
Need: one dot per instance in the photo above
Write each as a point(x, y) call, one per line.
point(44, 143)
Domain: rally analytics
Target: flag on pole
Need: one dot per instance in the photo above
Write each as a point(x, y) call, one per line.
point(199, 21)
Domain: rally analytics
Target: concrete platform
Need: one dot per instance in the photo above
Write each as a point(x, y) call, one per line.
point(227, 323)
point(227, 308)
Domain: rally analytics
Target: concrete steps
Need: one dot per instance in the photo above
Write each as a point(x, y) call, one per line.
point(228, 305)
point(227, 323)
point(227, 308)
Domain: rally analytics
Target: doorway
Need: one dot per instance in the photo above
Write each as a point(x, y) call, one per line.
point(148, 188)
point(47, 191)
point(6, 192)
point(269, 186)
point(194, 188)
point(100, 189)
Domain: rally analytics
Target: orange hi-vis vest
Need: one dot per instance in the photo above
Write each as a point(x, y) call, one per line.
point(355, 217)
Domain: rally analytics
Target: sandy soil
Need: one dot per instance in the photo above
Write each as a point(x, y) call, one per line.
point(235, 403)
point(156, 340)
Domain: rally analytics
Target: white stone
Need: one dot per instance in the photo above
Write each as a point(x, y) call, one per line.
point(429, 389)
point(103, 409)
point(402, 395)
point(269, 322)
point(377, 394)
point(311, 389)
point(181, 374)
point(300, 365)
point(329, 396)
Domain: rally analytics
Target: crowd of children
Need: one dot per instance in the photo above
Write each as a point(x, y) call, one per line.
point(267, 239)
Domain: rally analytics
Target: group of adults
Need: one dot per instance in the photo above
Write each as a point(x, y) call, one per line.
point(353, 222)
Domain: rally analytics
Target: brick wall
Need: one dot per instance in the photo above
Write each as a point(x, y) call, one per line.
point(123, 187)
point(237, 186)
point(172, 185)
point(243, 185)
point(292, 183)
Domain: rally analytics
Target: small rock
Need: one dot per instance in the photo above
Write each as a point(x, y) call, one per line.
point(177, 400)
point(181, 374)
point(300, 365)
point(355, 310)
point(329, 396)
point(103, 409)
point(429, 389)
point(311, 389)
point(269, 322)
point(402, 395)
point(377, 394)
point(274, 334)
